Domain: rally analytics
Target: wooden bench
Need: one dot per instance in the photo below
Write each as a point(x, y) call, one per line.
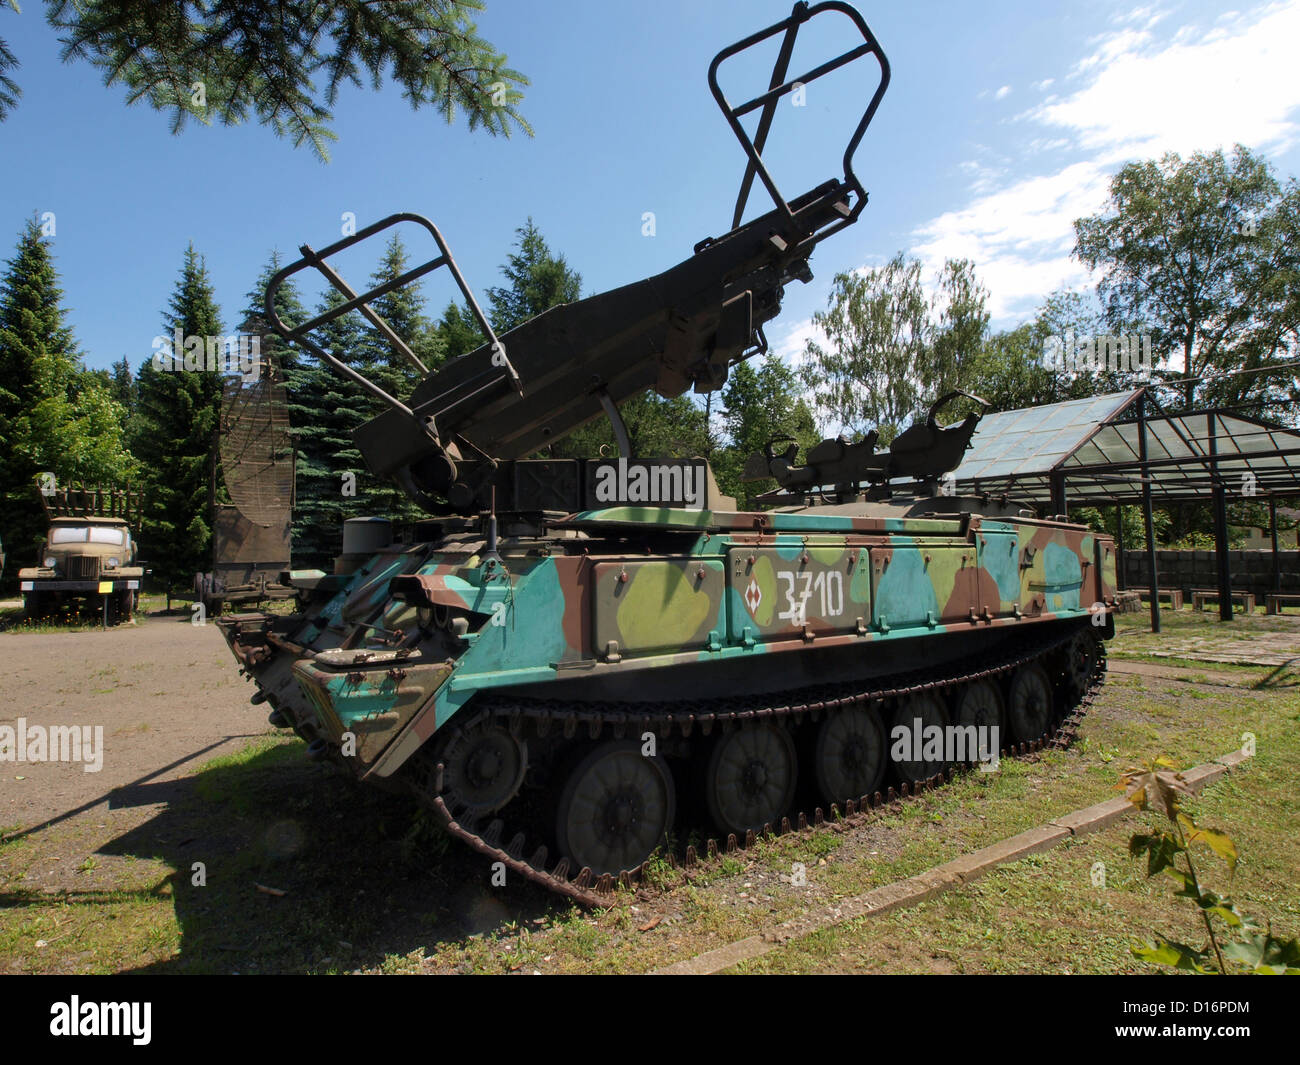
point(1201, 595)
point(1273, 601)
point(1173, 595)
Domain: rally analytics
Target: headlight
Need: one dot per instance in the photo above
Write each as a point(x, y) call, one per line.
point(113, 563)
point(49, 561)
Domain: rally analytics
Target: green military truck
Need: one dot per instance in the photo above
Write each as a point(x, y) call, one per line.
point(88, 557)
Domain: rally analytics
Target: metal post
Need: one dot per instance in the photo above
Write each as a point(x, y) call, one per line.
point(1272, 534)
point(1220, 527)
point(1153, 586)
point(1058, 494)
point(1121, 583)
point(1221, 552)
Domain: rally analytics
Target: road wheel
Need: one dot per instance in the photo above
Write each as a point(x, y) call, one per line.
point(1029, 708)
point(920, 716)
point(615, 808)
point(850, 756)
point(751, 778)
point(485, 767)
point(982, 705)
point(1080, 661)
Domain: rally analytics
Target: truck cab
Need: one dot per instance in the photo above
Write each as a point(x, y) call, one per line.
point(87, 558)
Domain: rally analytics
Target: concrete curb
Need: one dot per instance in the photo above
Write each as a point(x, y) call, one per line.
point(923, 886)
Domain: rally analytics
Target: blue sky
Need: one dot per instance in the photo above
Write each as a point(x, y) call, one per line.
point(1002, 124)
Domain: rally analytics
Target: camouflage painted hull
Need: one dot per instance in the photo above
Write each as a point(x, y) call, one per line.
point(631, 606)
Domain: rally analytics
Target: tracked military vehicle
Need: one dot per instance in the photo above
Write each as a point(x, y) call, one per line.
point(572, 660)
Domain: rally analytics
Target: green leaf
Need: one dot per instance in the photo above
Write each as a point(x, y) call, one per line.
point(1161, 857)
point(1248, 951)
point(1139, 844)
point(1175, 955)
point(1218, 842)
point(1229, 914)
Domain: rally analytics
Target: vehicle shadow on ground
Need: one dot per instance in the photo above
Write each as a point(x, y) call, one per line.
point(285, 865)
point(1286, 675)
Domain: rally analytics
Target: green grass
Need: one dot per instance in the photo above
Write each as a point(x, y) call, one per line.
point(371, 885)
point(996, 925)
point(13, 622)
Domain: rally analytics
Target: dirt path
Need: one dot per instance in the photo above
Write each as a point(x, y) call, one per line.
point(167, 695)
point(1179, 673)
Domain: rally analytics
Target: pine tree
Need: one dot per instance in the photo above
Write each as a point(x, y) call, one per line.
point(538, 281)
point(55, 416)
point(458, 332)
point(223, 59)
point(288, 305)
point(123, 387)
point(174, 436)
point(381, 362)
point(324, 408)
point(403, 310)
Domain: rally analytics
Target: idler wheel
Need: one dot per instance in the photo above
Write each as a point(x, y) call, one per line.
point(615, 808)
point(981, 705)
point(1080, 661)
point(751, 778)
point(918, 717)
point(850, 755)
point(485, 767)
point(1029, 708)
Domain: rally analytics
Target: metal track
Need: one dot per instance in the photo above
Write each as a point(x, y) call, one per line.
point(426, 776)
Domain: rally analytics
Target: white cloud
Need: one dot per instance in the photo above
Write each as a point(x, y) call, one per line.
point(790, 347)
point(1002, 92)
point(1019, 237)
point(1200, 92)
point(1046, 83)
point(983, 178)
point(1135, 99)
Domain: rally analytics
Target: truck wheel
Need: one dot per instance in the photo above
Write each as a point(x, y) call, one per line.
point(33, 604)
point(123, 607)
point(205, 589)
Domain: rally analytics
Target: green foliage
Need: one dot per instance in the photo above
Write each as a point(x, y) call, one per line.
point(9, 90)
point(324, 408)
point(122, 386)
point(55, 416)
point(1158, 786)
point(286, 61)
point(458, 333)
point(892, 351)
point(658, 427)
point(1010, 370)
point(871, 373)
point(759, 405)
point(959, 333)
point(537, 280)
point(381, 362)
point(1135, 533)
point(288, 305)
point(174, 436)
point(1206, 251)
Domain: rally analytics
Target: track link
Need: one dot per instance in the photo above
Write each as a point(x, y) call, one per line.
point(426, 775)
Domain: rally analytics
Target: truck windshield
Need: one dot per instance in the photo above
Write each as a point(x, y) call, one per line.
point(80, 534)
